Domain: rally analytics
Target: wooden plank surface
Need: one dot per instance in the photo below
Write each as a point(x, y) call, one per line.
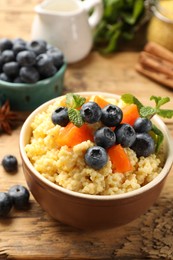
point(32, 234)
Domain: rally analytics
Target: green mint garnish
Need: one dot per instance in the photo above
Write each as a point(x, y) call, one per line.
point(149, 112)
point(159, 101)
point(165, 113)
point(130, 99)
point(74, 100)
point(158, 136)
point(75, 117)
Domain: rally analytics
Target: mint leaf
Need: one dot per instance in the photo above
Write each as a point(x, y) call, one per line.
point(147, 112)
point(75, 117)
point(166, 113)
point(160, 101)
point(130, 99)
point(74, 100)
point(159, 136)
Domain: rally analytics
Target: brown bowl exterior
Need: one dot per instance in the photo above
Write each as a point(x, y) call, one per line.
point(92, 214)
point(91, 211)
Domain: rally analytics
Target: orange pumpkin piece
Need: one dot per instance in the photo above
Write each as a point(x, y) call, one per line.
point(130, 114)
point(119, 158)
point(101, 101)
point(72, 135)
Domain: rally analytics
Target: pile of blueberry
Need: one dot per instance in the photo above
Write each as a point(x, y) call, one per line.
point(28, 62)
point(17, 196)
point(136, 137)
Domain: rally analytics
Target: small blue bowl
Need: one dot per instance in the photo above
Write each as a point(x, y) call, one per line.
point(27, 97)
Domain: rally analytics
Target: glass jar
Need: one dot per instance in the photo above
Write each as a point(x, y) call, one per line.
point(160, 29)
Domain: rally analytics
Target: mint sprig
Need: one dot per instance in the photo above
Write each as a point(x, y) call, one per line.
point(74, 101)
point(158, 136)
point(75, 117)
point(149, 112)
point(130, 99)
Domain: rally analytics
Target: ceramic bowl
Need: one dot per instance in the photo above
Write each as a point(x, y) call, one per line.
point(92, 211)
point(27, 97)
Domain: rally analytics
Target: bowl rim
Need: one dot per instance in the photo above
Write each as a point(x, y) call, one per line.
point(164, 172)
point(15, 86)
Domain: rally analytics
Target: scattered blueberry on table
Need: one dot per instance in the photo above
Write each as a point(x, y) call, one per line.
point(28, 62)
point(17, 197)
point(10, 163)
point(5, 204)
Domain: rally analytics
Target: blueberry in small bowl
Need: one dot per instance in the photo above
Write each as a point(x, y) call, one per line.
point(31, 73)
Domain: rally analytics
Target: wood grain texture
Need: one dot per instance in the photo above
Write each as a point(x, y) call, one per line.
point(32, 234)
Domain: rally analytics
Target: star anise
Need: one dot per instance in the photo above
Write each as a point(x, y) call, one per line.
point(7, 118)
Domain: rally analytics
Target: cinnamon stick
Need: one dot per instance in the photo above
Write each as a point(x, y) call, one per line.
point(159, 51)
point(156, 63)
point(159, 77)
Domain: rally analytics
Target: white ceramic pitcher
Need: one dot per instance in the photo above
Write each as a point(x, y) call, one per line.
point(67, 25)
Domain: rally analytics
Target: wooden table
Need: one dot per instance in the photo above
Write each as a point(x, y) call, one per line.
point(33, 234)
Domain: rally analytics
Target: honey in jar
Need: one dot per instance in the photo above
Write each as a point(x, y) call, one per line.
point(160, 29)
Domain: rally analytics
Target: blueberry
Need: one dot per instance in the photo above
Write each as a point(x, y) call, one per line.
point(19, 40)
point(17, 80)
point(26, 58)
point(37, 46)
point(1, 64)
point(7, 56)
point(4, 77)
point(125, 135)
point(29, 75)
point(5, 44)
point(10, 163)
point(20, 196)
point(44, 60)
point(5, 204)
point(57, 57)
point(19, 47)
point(91, 112)
point(51, 47)
point(104, 137)
point(142, 125)
point(11, 69)
point(60, 116)
point(96, 157)
point(143, 145)
point(45, 65)
point(111, 115)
